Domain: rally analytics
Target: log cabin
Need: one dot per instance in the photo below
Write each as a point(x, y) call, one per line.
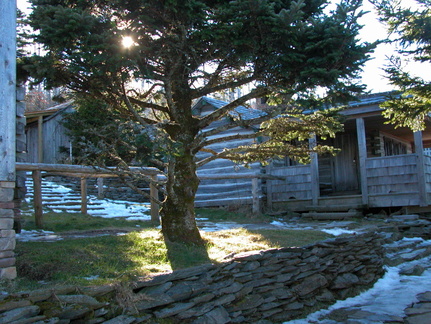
point(47, 140)
point(379, 167)
point(236, 192)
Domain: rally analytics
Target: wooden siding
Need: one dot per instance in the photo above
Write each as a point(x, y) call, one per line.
point(393, 174)
point(54, 137)
point(427, 167)
point(225, 192)
point(297, 183)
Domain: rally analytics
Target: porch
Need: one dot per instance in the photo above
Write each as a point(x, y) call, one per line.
point(379, 166)
point(391, 181)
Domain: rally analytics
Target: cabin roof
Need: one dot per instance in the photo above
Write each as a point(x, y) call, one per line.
point(241, 112)
point(49, 112)
point(372, 99)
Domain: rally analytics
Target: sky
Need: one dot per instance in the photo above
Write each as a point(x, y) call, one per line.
point(372, 30)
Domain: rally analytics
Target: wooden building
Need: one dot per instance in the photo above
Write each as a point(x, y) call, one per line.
point(47, 141)
point(379, 166)
point(226, 192)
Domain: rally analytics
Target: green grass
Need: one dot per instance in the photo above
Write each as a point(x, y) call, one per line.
point(139, 253)
point(63, 222)
point(241, 215)
point(109, 259)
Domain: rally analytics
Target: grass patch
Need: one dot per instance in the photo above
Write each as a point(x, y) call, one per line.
point(93, 260)
point(63, 222)
point(226, 242)
point(111, 259)
point(220, 214)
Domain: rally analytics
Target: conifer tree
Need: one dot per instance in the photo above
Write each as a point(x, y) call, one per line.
point(409, 29)
point(285, 50)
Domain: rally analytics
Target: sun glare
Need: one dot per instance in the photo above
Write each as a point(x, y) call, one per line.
point(127, 41)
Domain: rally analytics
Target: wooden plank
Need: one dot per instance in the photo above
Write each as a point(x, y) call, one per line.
point(314, 172)
point(84, 195)
point(419, 149)
point(362, 148)
point(78, 168)
point(7, 89)
point(37, 198)
point(40, 139)
point(255, 193)
point(269, 187)
point(100, 190)
point(154, 194)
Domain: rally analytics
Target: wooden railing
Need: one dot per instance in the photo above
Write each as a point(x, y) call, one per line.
point(85, 172)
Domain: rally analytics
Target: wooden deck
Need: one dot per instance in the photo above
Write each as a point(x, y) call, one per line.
point(393, 181)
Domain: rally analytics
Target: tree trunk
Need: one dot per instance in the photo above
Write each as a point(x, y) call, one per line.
point(178, 212)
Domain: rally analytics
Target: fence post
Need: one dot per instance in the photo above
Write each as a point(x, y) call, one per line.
point(269, 184)
point(154, 196)
point(100, 193)
point(84, 195)
point(255, 192)
point(37, 198)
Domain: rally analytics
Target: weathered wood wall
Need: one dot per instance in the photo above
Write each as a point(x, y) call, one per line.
point(427, 168)
point(227, 192)
point(297, 183)
point(392, 174)
point(54, 137)
point(8, 119)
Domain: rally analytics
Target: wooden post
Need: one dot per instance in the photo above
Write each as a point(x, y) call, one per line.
point(154, 196)
point(315, 182)
point(255, 192)
point(362, 147)
point(37, 198)
point(84, 195)
point(8, 120)
point(7, 90)
point(40, 139)
point(419, 150)
point(100, 193)
point(269, 203)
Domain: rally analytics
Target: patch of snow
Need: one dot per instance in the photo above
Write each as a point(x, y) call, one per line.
point(37, 235)
point(278, 223)
point(220, 226)
point(113, 208)
point(390, 295)
point(92, 277)
point(338, 231)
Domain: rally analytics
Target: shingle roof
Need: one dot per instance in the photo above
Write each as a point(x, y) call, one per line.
point(240, 111)
point(372, 99)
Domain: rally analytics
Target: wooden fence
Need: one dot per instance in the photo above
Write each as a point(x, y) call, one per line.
point(85, 172)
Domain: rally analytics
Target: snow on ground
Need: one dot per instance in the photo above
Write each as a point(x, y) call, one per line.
point(336, 231)
point(106, 208)
point(390, 295)
point(37, 235)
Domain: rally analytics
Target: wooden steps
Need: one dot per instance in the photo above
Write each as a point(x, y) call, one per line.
point(337, 212)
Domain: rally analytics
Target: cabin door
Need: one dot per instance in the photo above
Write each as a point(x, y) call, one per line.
point(339, 175)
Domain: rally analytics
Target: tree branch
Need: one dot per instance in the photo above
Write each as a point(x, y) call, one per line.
point(217, 114)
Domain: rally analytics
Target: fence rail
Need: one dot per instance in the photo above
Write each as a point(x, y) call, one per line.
point(85, 172)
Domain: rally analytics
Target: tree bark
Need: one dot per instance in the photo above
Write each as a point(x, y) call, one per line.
point(178, 212)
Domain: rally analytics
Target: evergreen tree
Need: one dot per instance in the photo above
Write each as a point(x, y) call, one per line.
point(185, 49)
point(410, 30)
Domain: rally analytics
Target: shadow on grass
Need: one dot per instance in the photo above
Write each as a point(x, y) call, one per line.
point(181, 255)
